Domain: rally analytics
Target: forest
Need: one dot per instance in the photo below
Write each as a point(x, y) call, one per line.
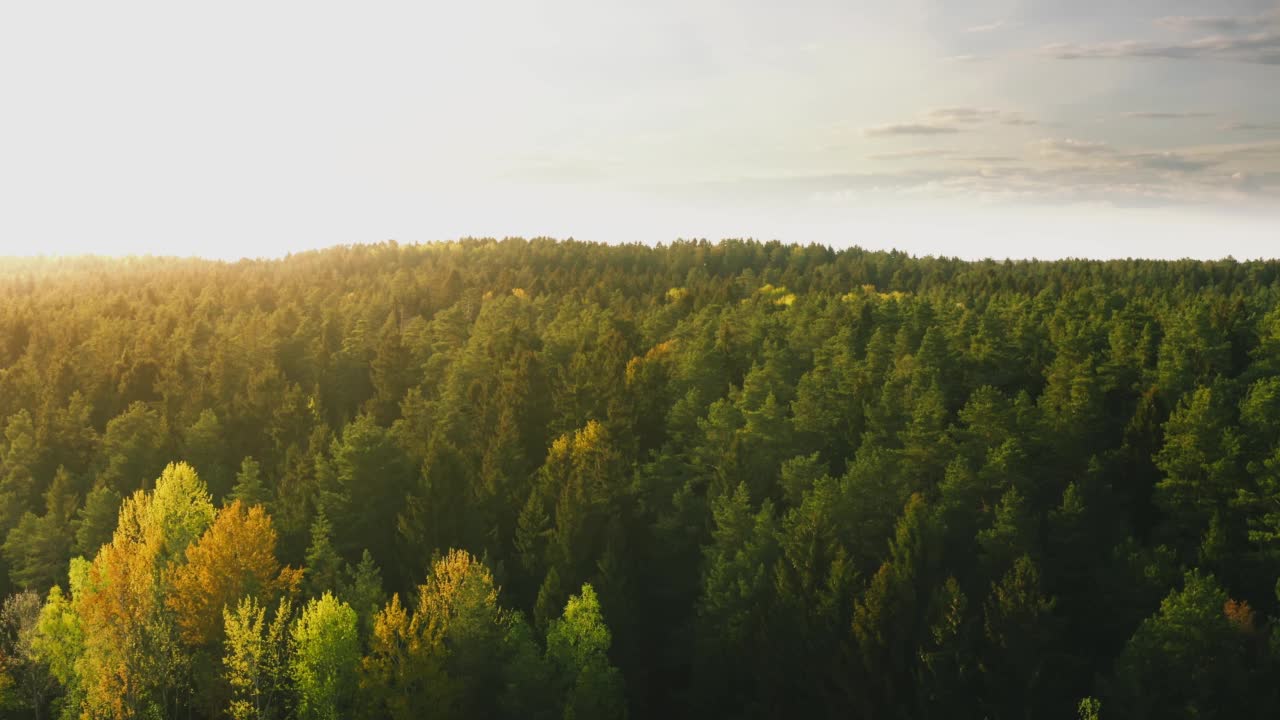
point(560, 479)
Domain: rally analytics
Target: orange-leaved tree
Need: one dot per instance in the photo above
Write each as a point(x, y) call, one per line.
point(234, 558)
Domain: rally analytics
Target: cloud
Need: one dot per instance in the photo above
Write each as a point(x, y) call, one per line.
point(989, 27)
point(1218, 23)
point(1170, 161)
point(1244, 39)
point(974, 115)
point(1018, 119)
point(1102, 155)
point(1069, 172)
point(1247, 126)
point(962, 114)
point(1116, 185)
point(950, 120)
point(1166, 115)
point(910, 154)
point(1056, 171)
point(1259, 48)
point(909, 129)
point(937, 153)
point(1073, 147)
point(969, 58)
point(1255, 155)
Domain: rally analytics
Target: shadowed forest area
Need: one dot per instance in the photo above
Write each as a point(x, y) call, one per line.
point(541, 479)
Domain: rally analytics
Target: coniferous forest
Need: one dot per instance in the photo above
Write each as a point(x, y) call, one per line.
point(540, 479)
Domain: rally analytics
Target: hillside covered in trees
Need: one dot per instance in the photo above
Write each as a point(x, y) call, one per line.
point(539, 479)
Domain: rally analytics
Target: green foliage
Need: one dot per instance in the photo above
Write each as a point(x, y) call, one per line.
point(38, 549)
point(204, 446)
point(1190, 659)
point(249, 487)
point(132, 449)
point(96, 520)
point(256, 659)
point(324, 568)
point(804, 482)
point(578, 648)
point(179, 508)
point(326, 651)
point(364, 592)
point(58, 642)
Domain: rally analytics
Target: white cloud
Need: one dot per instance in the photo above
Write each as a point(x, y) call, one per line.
point(962, 114)
point(989, 27)
point(1214, 23)
point(911, 154)
point(1249, 126)
point(1259, 48)
point(1244, 39)
point(976, 115)
point(1170, 161)
point(1072, 146)
point(909, 129)
point(1219, 23)
point(950, 120)
point(1166, 115)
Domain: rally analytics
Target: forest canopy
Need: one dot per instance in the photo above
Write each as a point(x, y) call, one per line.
point(542, 479)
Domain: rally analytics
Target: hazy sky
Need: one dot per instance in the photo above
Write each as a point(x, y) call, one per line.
point(1043, 128)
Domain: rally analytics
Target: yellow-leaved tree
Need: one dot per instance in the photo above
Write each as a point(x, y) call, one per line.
point(234, 558)
point(133, 664)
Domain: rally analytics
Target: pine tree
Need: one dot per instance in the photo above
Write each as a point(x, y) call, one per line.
point(324, 568)
point(249, 488)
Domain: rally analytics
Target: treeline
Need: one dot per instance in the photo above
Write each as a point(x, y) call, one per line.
point(560, 479)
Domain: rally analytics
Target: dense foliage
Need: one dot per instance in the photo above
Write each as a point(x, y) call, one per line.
point(555, 479)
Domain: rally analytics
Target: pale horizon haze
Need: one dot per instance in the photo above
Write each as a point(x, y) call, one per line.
point(993, 128)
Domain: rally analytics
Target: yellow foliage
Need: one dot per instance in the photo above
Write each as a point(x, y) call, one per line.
point(235, 557)
point(405, 667)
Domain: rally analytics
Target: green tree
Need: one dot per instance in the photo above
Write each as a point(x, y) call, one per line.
point(96, 520)
point(39, 547)
point(733, 610)
point(17, 467)
point(887, 622)
point(457, 655)
point(1189, 660)
point(372, 476)
point(1018, 631)
point(58, 643)
point(578, 648)
point(204, 445)
point(249, 488)
point(363, 591)
point(326, 653)
point(132, 449)
point(1199, 462)
point(325, 568)
point(256, 659)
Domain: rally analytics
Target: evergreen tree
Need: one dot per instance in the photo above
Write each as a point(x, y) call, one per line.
point(324, 567)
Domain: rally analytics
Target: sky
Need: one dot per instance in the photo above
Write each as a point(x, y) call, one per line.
point(988, 128)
